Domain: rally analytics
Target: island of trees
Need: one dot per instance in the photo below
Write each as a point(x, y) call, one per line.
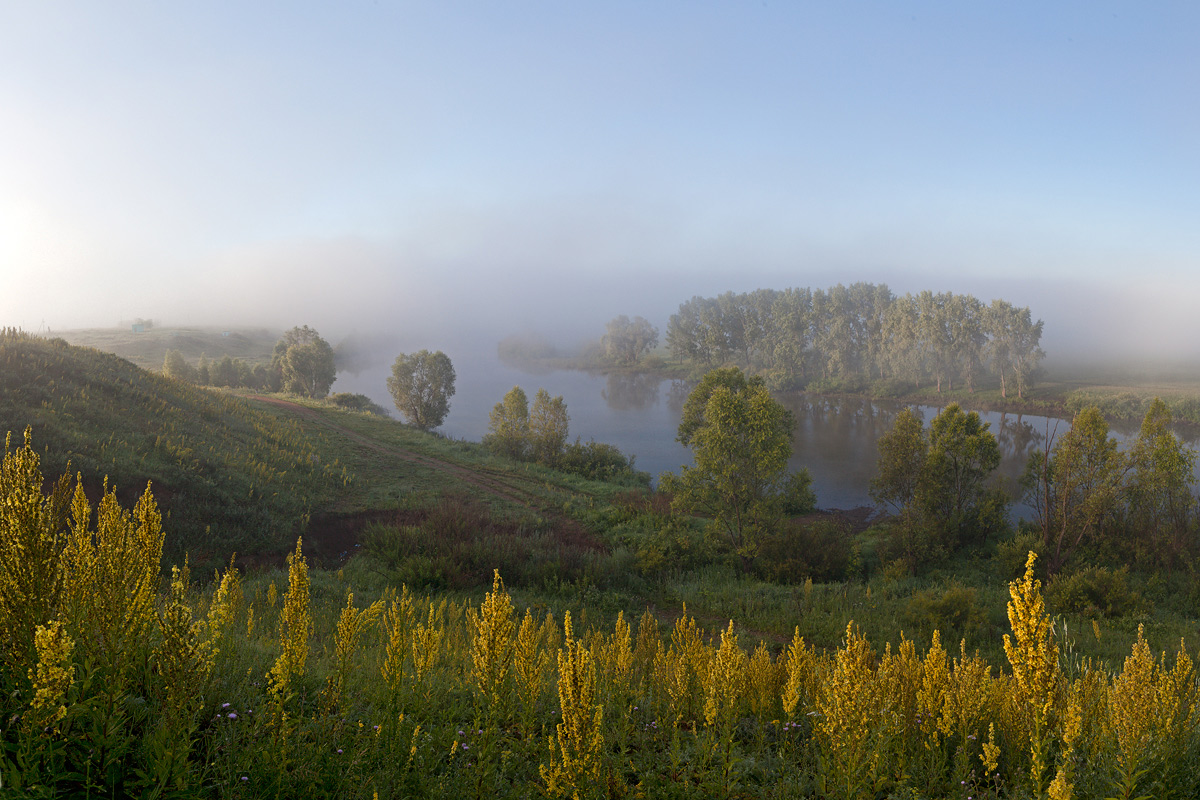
point(850, 337)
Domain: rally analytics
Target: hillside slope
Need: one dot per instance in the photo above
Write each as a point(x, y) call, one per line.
point(148, 348)
point(231, 474)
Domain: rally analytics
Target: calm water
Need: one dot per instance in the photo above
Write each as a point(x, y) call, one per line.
point(836, 439)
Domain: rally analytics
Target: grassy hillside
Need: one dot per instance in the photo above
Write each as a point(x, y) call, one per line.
point(148, 348)
point(231, 474)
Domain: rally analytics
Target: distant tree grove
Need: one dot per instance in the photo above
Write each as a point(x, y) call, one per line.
point(850, 336)
point(302, 363)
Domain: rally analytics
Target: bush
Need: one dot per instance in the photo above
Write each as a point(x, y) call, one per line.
point(954, 611)
point(1094, 591)
point(601, 462)
point(1011, 553)
point(820, 550)
point(357, 402)
point(798, 496)
point(910, 539)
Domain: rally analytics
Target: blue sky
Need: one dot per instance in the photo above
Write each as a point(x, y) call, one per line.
point(495, 165)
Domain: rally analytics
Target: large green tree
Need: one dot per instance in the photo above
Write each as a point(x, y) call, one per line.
point(901, 461)
point(1160, 500)
point(422, 384)
point(740, 447)
point(1075, 486)
point(953, 489)
point(508, 425)
point(548, 427)
point(305, 362)
point(626, 340)
point(938, 481)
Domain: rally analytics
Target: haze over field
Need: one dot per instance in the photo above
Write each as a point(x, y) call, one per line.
point(451, 171)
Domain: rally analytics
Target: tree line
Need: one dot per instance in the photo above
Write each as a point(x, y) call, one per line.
point(1088, 496)
point(850, 336)
point(301, 363)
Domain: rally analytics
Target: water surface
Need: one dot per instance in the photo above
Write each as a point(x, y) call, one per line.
point(835, 438)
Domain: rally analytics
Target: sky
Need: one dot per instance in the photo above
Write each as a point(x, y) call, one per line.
point(471, 169)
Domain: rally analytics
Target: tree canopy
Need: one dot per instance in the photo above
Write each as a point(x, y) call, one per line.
point(938, 481)
point(740, 447)
point(305, 362)
point(422, 384)
point(508, 425)
point(852, 334)
point(627, 340)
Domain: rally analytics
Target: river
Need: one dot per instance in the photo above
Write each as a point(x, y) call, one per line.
point(835, 438)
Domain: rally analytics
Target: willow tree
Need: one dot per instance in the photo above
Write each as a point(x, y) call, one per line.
point(422, 384)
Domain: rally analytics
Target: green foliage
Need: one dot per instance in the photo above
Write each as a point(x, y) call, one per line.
point(305, 362)
point(1094, 591)
point(601, 462)
point(951, 491)
point(626, 340)
point(955, 610)
point(938, 482)
point(798, 496)
point(508, 425)
point(820, 550)
point(740, 449)
point(902, 452)
point(548, 425)
point(849, 338)
point(692, 417)
point(1075, 486)
point(357, 402)
point(1161, 506)
point(422, 385)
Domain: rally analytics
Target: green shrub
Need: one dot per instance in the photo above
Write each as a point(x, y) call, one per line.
point(820, 550)
point(599, 461)
point(1011, 553)
point(954, 611)
point(1094, 591)
point(357, 402)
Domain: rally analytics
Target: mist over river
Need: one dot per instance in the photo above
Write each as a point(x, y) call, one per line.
point(835, 438)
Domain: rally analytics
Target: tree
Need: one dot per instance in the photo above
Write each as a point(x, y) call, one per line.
point(1075, 485)
point(176, 366)
point(901, 461)
point(741, 449)
point(1161, 504)
point(548, 423)
point(421, 385)
point(508, 425)
point(695, 407)
point(305, 362)
point(224, 373)
point(627, 340)
point(952, 491)
point(938, 481)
